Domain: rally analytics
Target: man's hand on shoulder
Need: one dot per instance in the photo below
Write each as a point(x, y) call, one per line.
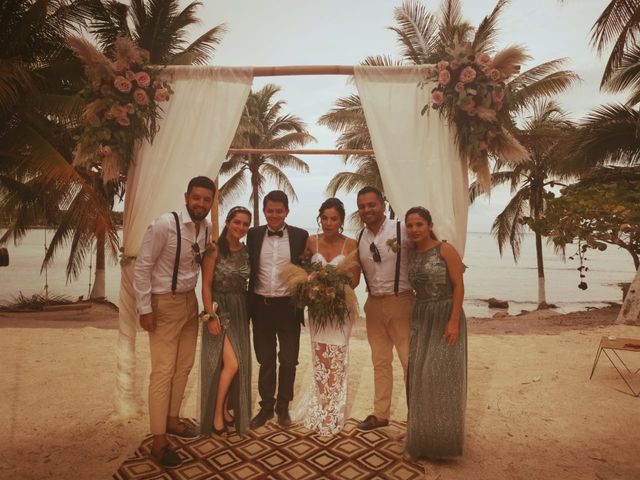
point(148, 322)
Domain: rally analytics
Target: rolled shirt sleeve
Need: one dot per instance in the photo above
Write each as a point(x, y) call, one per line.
point(153, 242)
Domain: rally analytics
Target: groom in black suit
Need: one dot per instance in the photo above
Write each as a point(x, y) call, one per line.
point(274, 316)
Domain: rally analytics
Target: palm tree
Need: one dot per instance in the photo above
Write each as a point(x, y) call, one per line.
point(160, 27)
point(262, 125)
point(544, 134)
point(609, 134)
point(39, 77)
point(619, 23)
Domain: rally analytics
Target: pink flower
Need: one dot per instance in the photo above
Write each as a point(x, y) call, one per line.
point(467, 75)
point(130, 108)
point(483, 59)
point(122, 84)
point(494, 74)
point(485, 113)
point(442, 65)
point(124, 121)
point(437, 96)
point(444, 77)
point(143, 79)
point(105, 150)
point(130, 75)
point(459, 87)
point(161, 95)
point(93, 119)
point(116, 111)
point(140, 96)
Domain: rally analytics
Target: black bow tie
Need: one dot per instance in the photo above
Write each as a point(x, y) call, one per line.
point(271, 233)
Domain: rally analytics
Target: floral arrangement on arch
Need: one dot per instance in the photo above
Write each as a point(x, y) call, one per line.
point(123, 94)
point(324, 289)
point(471, 91)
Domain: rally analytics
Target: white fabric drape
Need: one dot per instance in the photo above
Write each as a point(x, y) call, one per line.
point(196, 130)
point(416, 154)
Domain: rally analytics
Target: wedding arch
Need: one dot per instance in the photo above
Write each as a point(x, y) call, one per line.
point(418, 159)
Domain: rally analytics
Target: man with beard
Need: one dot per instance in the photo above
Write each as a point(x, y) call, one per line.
point(166, 273)
point(382, 249)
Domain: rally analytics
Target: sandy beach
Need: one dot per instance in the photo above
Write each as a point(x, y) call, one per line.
point(532, 412)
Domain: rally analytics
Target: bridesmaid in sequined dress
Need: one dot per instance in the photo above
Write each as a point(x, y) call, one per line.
point(225, 370)
point(437, 374)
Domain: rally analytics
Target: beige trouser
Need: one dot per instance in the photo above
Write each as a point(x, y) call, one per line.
point(388, 325)
point(173, 348)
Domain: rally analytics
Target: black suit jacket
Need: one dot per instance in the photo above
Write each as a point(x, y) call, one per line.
point(255, 237)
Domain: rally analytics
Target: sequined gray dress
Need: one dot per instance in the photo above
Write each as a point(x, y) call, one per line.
point(437, 377)
point(230, 292)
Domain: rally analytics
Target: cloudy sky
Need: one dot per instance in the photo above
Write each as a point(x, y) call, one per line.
point(343, 32)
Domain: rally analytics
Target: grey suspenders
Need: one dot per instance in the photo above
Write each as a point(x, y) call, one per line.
point(396, 280)
point(176, 264)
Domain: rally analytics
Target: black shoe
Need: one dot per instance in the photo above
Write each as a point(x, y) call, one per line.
point(371, 422)
point(229, 423)
point(284, 420)
point(261, 418)
point(220, 433)
point(167, 458)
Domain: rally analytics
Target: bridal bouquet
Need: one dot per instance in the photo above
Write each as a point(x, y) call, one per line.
point(471, 90)
point(324, 289)
point(122, 97)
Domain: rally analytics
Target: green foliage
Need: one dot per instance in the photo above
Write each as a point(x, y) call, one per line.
point(599, 210)
point(35, 302)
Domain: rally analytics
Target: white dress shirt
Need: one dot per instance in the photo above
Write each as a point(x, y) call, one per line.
point(153, 271)
point(381, 275)
point(275, 254)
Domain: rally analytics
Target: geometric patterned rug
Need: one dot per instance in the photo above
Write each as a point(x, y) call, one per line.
point(270, 452)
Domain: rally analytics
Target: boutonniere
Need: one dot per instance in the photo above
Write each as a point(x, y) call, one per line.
point(392, 243)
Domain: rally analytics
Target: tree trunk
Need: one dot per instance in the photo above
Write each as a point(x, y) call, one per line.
point(630, 311)
point(98, 291)
point(542, 295)
point(255, 191)
point(256, 209)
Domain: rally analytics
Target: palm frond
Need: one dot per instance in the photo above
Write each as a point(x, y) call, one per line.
point(232, 187)
point(416, 31)
point(608, 134)
point(200, 51)
point(627, 76)
point(486, 33)
point(496, 178)
point(507, 227)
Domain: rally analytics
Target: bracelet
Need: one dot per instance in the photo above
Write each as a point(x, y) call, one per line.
point(207, 316)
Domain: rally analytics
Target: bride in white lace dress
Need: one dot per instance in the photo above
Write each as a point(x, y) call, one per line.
point(323, 406)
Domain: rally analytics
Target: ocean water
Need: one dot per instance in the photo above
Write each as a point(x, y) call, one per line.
point(488, 275)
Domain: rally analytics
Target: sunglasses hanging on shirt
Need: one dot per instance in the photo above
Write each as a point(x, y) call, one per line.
point(375, 252)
